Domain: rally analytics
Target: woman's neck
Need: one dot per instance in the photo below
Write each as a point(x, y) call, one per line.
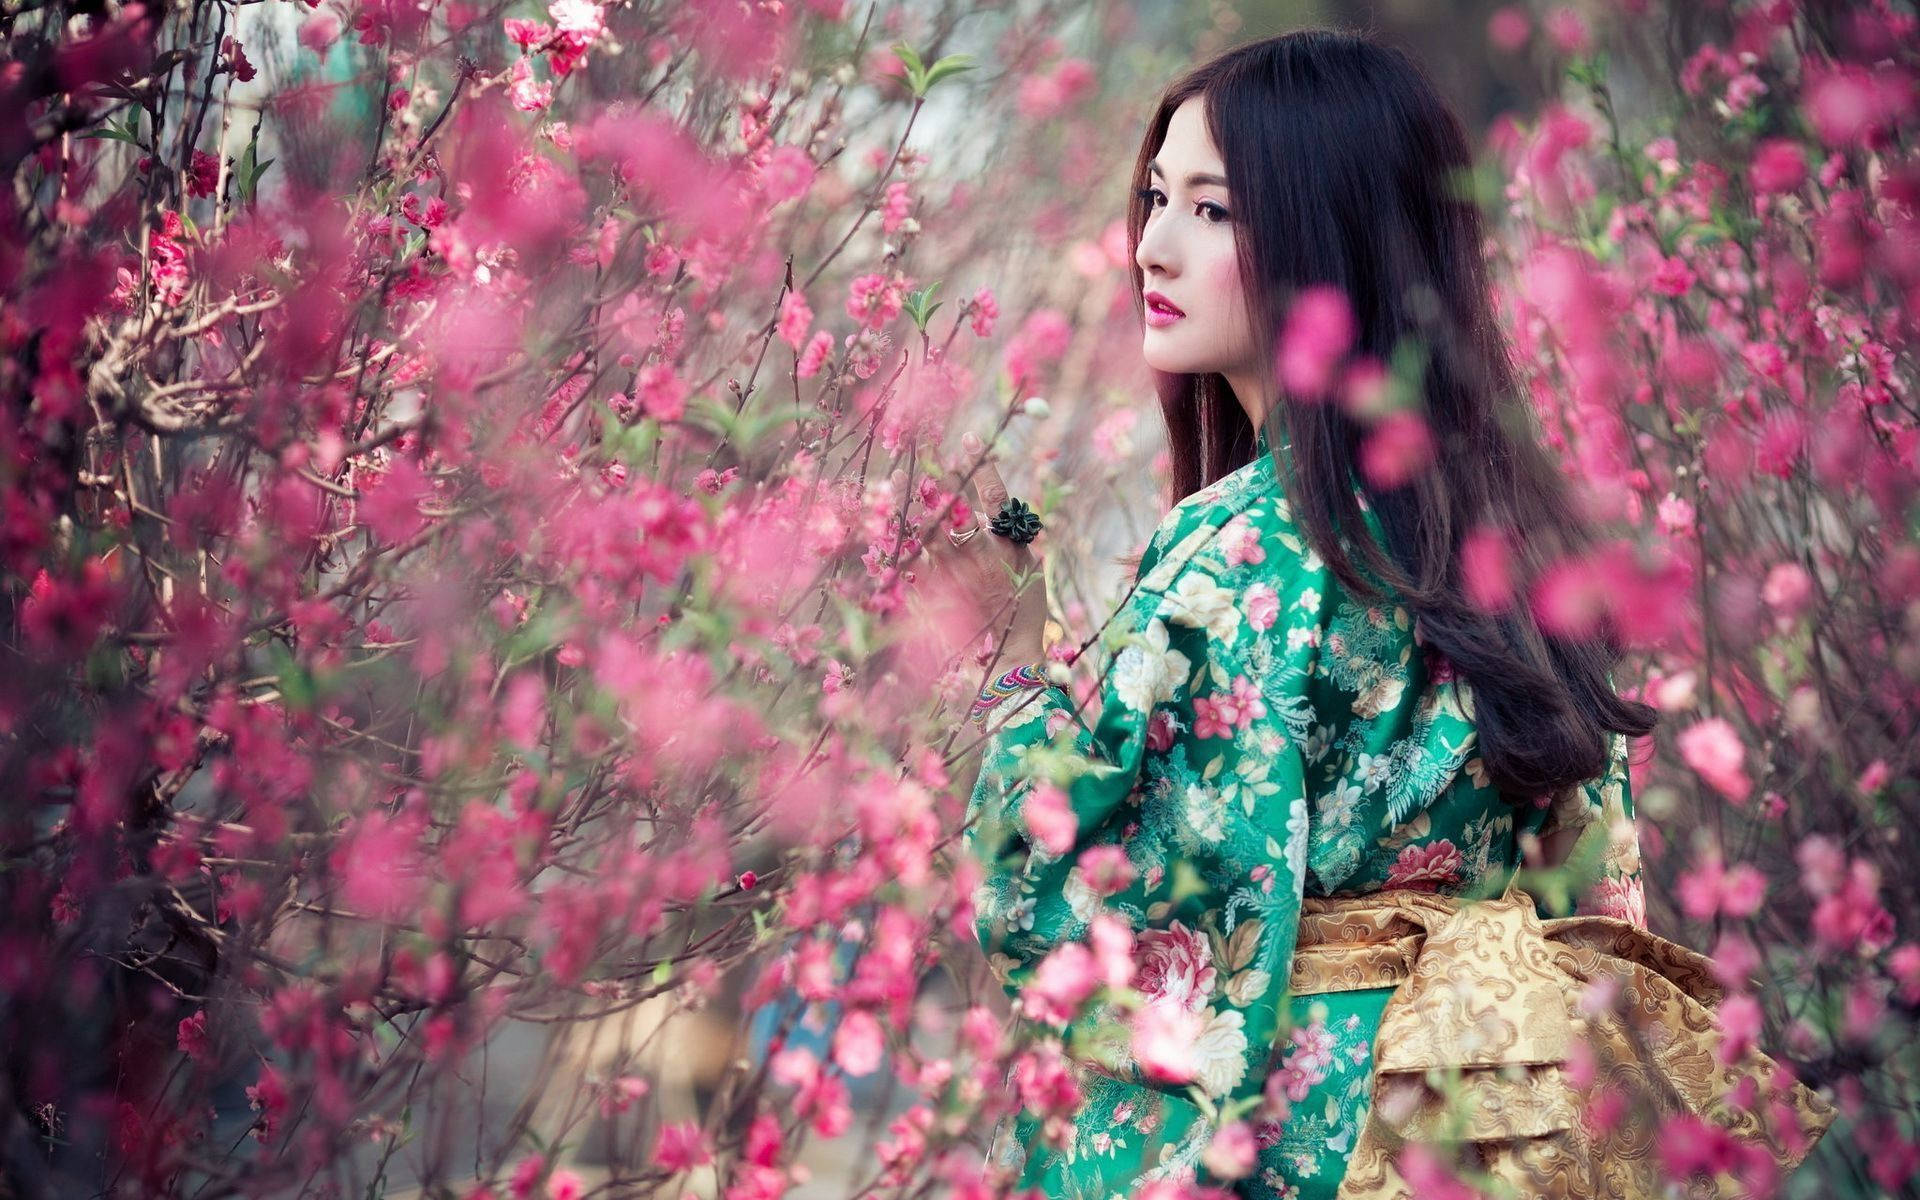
point(1251, 397)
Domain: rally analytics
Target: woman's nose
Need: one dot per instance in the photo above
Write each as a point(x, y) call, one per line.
point(1156, 251)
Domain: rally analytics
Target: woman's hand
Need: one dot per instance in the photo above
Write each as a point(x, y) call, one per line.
point(1000, 575)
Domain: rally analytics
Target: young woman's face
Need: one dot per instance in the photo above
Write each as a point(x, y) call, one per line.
point(1186, 254)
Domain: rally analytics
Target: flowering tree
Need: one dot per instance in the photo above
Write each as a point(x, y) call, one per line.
point(1714, 300)
point(468, 471)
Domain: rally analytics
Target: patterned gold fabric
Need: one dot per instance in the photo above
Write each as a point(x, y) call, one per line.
point(1500, 1036)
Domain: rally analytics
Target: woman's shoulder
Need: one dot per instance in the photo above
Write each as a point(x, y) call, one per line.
point(1241, 521)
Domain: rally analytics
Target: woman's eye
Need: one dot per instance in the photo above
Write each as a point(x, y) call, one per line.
point(1214, 213)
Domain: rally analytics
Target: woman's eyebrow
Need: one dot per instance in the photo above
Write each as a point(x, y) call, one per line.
point(1196, 179)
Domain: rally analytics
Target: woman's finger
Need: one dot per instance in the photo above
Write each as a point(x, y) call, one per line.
point(987, 485)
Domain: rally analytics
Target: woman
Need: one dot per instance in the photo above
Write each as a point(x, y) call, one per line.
point(1292, 714)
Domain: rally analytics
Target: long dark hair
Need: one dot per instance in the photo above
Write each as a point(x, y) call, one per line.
point(1346, 168)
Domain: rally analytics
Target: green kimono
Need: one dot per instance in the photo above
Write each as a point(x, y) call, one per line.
point(1261, 736)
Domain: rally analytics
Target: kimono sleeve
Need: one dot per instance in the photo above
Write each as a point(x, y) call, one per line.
point(1619, 891)
point(1051, 787)
point(1606, 852)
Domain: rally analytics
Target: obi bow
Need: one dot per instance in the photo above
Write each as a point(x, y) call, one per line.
point(1546, 1056)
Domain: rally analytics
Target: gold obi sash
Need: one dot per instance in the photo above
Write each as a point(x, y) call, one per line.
point(1489, 1007)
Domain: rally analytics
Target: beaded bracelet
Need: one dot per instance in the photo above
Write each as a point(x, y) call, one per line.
point(1022, 677)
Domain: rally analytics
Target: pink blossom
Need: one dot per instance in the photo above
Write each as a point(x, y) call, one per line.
point(565, 1185)
point(391, 506)
point(1050, 818)
point(1788, 590)
point(1107, 869)
point(1904, 965)
point(985, 311)
point(875, 299)
point(859, 1044)
point(1850, 105)
point(680, 1145)
point(1486, 568)
point(1567, 31)
point(662, 393)
point(1823, 864)
point(526, 93)
point(1713, 749)
point(1676, 515)
point(1060, 984)
point(191, 1035)
point(1232, 1152)
point(662, 259)
point(1673, 277)
point(1044, 1081)
point(787, 174)
point(815, 355)
point(795, 318)
point(578, 24)
point(895, 206)
point(1873, 778)
point(1046, 95)
point(1509, 28)
point(1779, 165)
point(204, 174)
point(1711, 889)
point(1851, 918)
point(1112, 940)
point(1396, 449)
point(1318, 332)
point(1164, 1041)
point(319, 31)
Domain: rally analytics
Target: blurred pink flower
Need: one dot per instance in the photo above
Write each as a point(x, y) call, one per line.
point(1485, 565)
point(1397, 448)
point(1059, 985)
point(815, 355)
point(1049, 817)
point(1319, 331)
point(1779, 165)
point(680, 1145)
point(795, 318)
point(1713, 749)
point(1232, 1152)
point(1106, 868)
point(1509, 28)
point(1165, 1042)
point(859, 1044)
point(985, 312)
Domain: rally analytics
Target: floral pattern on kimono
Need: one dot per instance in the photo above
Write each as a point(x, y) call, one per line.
point(1262, 735)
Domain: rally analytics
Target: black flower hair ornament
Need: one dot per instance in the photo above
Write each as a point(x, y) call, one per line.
point(1016, 522)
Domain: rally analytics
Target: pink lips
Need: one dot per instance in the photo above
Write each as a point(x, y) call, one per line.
point(1160, 310)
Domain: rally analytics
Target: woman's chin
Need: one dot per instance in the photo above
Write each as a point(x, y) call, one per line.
point(1170, 364)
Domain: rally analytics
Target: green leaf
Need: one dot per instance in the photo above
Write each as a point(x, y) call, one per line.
point(908, 56)
point(918, 306)
point(952, 64)
point(251, 186)
point(662, 971)
point(247, 174)
point(916, 72)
